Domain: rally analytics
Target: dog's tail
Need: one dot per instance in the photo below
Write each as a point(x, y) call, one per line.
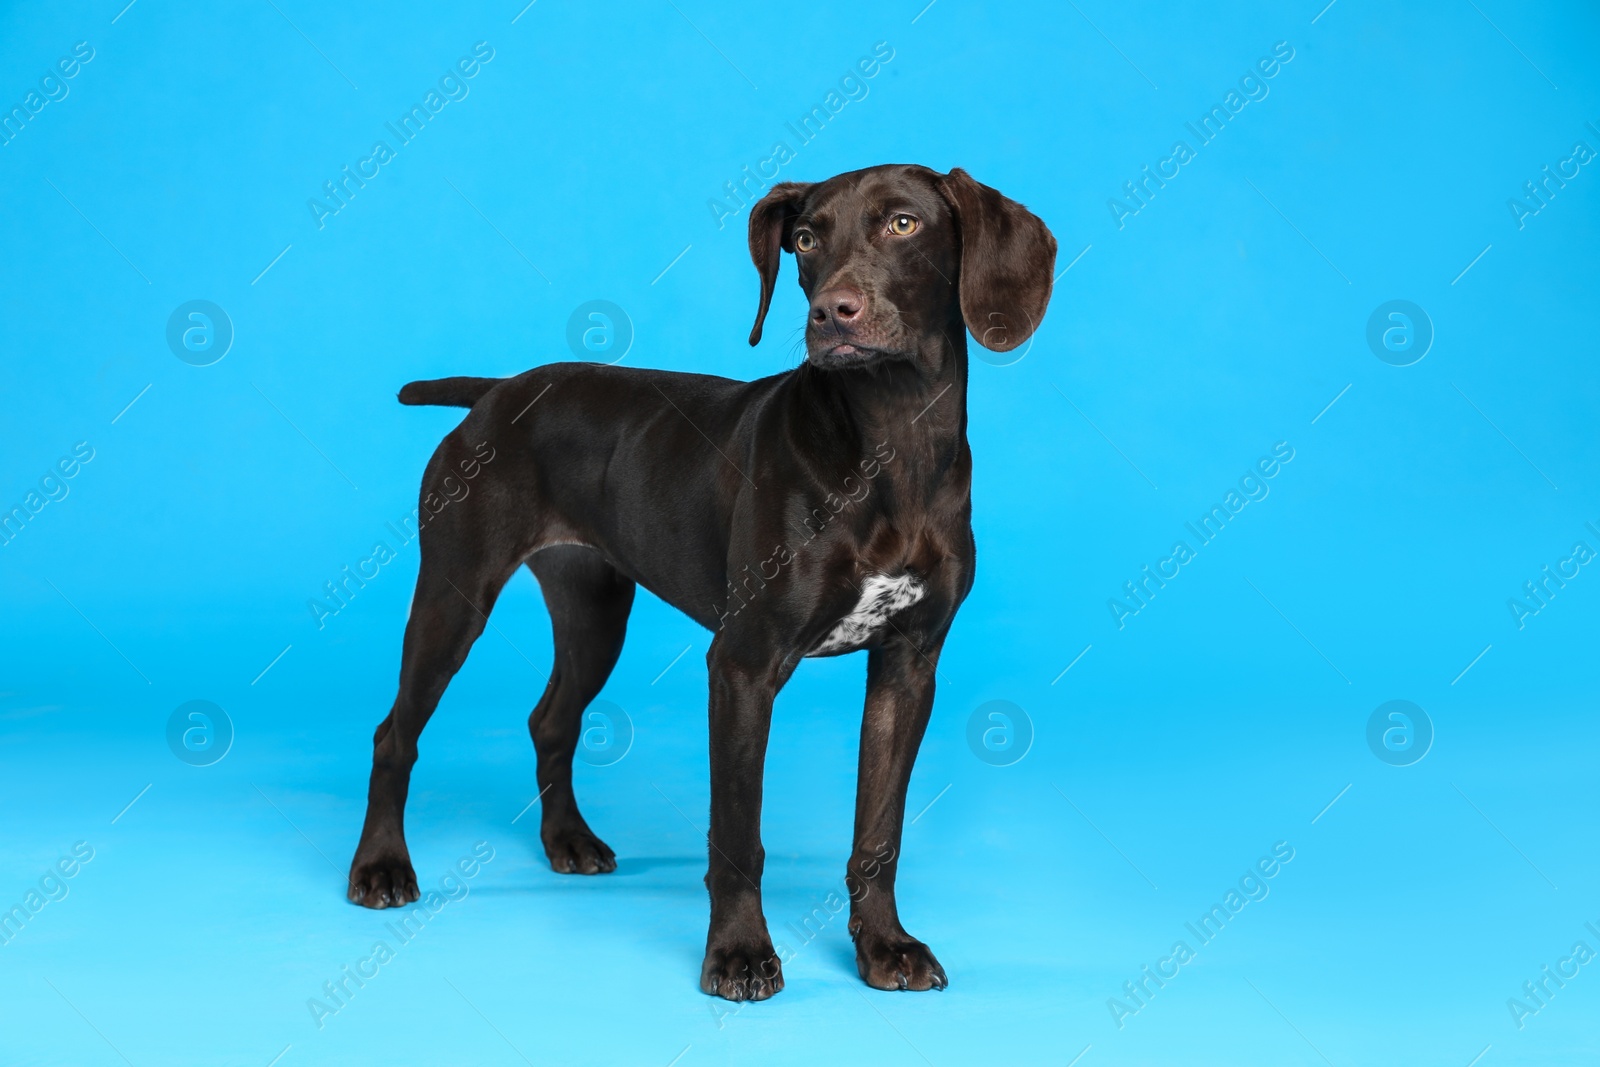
point(447, 392)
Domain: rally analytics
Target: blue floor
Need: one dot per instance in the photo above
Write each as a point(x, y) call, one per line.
point(210, 917)
point(1205, 834)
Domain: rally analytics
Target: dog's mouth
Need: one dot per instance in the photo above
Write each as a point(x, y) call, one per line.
point(837, 354)
point(836, 350)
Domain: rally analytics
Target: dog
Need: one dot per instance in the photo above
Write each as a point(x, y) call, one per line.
point(816, 512)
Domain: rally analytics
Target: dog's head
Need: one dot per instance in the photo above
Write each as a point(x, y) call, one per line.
point(891, 255)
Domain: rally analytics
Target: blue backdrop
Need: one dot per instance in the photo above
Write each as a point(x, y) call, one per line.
point(1308, 430)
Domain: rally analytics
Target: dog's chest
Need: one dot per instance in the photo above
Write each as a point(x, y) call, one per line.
point(881, 597)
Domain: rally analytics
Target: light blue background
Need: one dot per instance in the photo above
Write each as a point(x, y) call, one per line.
point(1223, 318)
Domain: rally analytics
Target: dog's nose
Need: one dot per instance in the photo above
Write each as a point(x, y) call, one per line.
point(840, 306)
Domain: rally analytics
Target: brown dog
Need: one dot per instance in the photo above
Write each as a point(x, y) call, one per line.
point(814, 513)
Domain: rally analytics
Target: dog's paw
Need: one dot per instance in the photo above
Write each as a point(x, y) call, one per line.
point(383, 882)
point(579, 852)
point(900, 962)
point(741, 972)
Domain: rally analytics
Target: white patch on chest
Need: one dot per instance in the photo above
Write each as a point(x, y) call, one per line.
point(881, 596)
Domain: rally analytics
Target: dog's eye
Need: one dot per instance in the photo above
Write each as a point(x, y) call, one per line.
point(804, 241)
point(902, 225)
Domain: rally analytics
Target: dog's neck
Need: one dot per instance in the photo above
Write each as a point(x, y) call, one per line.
point(913, 409)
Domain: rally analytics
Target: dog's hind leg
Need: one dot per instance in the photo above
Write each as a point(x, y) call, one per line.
point(463, 570)
point(589, 603)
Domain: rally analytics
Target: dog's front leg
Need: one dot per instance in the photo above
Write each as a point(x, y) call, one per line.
point(900, 683)
point(740, 963)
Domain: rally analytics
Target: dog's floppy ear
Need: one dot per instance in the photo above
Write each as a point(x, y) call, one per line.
point(769, 238)
point(1008, 260)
